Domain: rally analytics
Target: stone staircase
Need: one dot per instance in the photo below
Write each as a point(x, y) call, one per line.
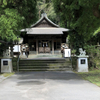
point(45, 64)
point(32, 55)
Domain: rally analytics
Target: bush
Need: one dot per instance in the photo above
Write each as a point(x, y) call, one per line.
point(74, 62)
point(73, 52)
point(14, 64)
point(94, 55)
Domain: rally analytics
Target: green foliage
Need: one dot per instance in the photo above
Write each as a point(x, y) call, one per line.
point(74, 62)
point(82, 16)
point(15, 15)
point(97, 31)
point(94, 54)
point(14, 63)
point(73, 51)
point(47, 7)
point(10, 24)
point(96, 36)
point(26, 8)
point(7, 74)
point(76, 41)
point(2, 48)
point(92, 76)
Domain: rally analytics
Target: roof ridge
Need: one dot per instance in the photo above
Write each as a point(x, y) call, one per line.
point(44, 15)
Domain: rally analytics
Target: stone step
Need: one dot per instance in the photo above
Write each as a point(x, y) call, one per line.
point(60, 69)
point(43, 59)
point(33, 55)
point(44, 64)
point(25, 62)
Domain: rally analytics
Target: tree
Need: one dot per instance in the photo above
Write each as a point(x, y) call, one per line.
point(47, 7)
point(10, 22)
point(14, 15)
point(82, 16)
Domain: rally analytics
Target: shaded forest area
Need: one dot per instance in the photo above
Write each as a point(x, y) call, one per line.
point(82, 17)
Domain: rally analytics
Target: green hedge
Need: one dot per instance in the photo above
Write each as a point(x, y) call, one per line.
point(74, 62)
point(14, 63)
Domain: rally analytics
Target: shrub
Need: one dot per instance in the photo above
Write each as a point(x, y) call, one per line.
point(14, 64)
point(94, 55)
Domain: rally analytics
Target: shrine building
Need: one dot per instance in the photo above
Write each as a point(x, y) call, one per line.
point(44, 36)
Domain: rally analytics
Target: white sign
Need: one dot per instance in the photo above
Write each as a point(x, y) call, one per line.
point(16, 48)
point(67, 52)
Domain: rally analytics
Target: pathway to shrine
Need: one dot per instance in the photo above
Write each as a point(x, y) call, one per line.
point(32, 56)
point(44, 85)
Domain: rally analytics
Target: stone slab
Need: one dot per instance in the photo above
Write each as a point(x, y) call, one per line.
point(6, 65)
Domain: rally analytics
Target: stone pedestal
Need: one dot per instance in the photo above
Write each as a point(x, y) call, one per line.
point(82, 63)
point(6, 65)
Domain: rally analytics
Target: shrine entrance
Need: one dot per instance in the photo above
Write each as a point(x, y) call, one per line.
point(44, 46)
point(44, 36)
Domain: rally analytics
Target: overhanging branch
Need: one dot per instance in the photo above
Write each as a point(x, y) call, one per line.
point(96, 11)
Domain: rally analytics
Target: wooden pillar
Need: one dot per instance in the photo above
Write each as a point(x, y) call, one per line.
point(52, 46)
point(36, 46)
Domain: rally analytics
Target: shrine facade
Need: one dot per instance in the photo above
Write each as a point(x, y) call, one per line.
point(44, 36)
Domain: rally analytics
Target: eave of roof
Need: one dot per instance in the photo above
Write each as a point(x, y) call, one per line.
point(45, 30)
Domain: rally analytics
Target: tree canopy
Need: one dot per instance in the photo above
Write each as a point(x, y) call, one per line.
point(46, 6)
point(81, 16)
point(14, 15)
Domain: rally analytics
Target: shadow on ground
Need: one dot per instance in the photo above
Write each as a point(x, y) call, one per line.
point(47, 75)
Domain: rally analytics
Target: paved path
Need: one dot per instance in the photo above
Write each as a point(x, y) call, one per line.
point(45, 55)
point(48, 86)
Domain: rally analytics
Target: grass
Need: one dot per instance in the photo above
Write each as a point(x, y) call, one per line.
point(7, 74)
point(93, 76)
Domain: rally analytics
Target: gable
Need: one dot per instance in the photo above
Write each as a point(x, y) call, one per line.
point(44, 23)
point(45, 26)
